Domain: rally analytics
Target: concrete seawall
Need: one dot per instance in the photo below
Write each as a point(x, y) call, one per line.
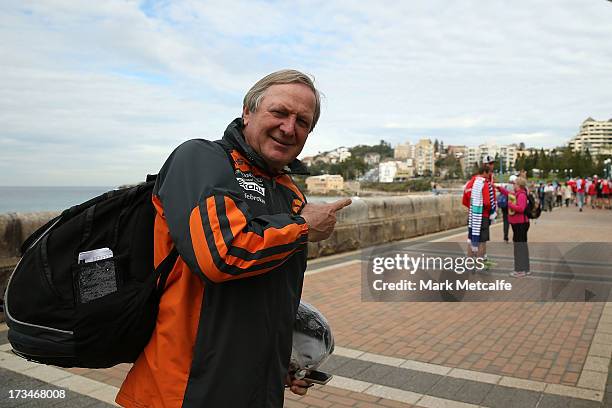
point(367, 222)
point(373, 221)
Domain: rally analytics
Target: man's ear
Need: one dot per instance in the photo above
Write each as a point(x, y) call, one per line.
point(246, 114)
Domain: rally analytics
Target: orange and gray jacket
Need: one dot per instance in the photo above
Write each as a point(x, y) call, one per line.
point(224, 330)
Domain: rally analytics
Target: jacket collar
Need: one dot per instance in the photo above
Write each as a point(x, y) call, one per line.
point(233, 136)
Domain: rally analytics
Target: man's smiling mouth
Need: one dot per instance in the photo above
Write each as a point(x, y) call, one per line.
point(280, 141)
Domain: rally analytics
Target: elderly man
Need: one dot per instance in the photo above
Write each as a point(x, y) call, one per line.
point(241, 226)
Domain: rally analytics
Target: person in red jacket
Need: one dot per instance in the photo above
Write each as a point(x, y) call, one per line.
point(479, 198)
point(592, 192)
point(517, 205)
point(572, 184)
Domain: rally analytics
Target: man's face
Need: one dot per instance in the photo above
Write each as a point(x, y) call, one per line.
point(280, 126)
point(491, 167)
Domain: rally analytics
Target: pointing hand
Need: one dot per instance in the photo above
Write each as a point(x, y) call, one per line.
point(321, 218)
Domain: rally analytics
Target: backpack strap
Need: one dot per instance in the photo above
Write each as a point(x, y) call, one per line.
point(164, 269)
point(129, 196)
point(38, 234)
point(88, 224)
point(44, 258)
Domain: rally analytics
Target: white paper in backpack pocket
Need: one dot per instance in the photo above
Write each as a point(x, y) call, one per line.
point(95, 255)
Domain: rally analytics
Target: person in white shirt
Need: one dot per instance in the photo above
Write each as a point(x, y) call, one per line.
point(549, 191)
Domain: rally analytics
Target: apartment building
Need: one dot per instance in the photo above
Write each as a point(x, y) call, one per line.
point(506, 155)
point(324, 183)
point(403, 151)
point(421, 154)
point(395, 170)
point(424, 158)
point(594, 135)
point(456, 150)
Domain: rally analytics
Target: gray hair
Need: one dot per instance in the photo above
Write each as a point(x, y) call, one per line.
point(254, 96)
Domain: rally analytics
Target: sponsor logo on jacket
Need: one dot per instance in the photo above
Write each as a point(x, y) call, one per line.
point(250, 183)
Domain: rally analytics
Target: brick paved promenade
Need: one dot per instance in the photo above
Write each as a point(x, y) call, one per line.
point(402, 354)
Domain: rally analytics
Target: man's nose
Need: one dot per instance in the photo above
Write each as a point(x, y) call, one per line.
point(288, 125)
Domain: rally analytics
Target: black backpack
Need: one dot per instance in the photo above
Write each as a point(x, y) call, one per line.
point(85, 292)
point(533, 209)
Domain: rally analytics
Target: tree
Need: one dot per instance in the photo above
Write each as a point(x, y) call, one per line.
point(519, 163)
point(588, 167)
point(383, 148)
point(475, 169)
point(559, 162)
point(497, 163)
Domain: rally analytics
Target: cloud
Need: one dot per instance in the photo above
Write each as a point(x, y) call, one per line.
point(441, 123)
point(98, 93)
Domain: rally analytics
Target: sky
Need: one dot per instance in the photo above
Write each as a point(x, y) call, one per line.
point(101, 92)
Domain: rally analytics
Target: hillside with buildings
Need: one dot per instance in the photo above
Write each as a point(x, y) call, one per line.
point(585, 154)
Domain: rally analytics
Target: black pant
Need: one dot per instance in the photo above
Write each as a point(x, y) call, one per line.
point(548, 201)
point(506, 224)
point(521, 250)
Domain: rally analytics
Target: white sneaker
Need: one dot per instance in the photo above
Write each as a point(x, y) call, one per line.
point(516, 274)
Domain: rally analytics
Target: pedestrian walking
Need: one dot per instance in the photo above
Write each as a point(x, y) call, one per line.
point(572, 184)
point(567, 193)
point(580, 190)
point(559, 194)
point(592, 192)
point(605, 192)
point(598, 192)
point(549, 191)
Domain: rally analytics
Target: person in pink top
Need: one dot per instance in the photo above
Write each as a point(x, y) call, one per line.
point(517, 206)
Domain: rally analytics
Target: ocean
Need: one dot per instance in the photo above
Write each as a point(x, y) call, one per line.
point(30, 199)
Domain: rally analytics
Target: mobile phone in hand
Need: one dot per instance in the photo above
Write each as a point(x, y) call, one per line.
point(317, 377)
